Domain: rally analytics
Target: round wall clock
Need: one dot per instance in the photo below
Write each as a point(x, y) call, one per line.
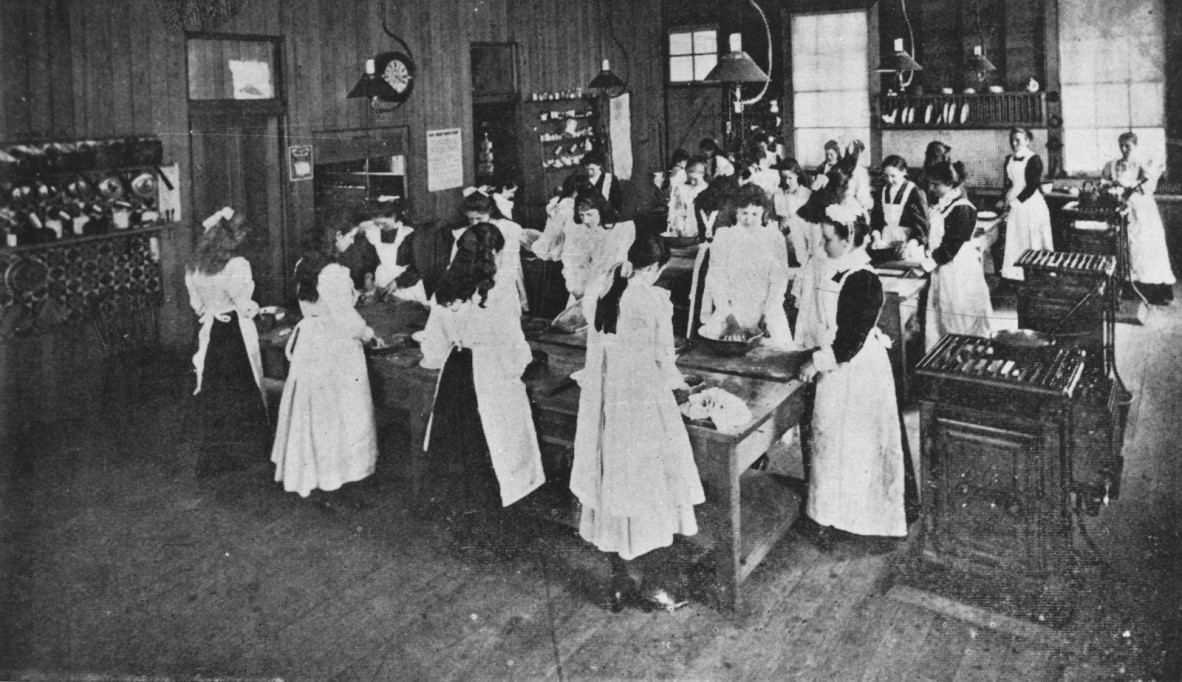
point(398, 70)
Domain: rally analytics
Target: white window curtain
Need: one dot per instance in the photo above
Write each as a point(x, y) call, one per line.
point(1112, 57)
point(830, 81)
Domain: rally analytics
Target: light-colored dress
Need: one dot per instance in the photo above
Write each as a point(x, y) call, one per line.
point(500, 355)
point(1028, 225)
point(860, 186)
point(590, 252)
point(804, 238)
point(682, 220)
point(1148, 255)
point(958, 297)
point(633, 470)
point(326, 435)
point(747, 278)
point(857, 481)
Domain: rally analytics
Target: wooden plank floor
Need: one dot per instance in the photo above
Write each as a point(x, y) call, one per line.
point(118, 563)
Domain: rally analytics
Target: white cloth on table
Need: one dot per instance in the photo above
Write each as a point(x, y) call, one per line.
point(326, 435)
point(213, 298)
point(1028, 225)
point(1149, 257)
point(634, 470)
point(500, 355)
point(747, 278)
point(958, 297)
point(728, 411)
point(857, 480)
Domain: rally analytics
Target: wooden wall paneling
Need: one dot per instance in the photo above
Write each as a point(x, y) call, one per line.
point(60, 87)
point(99, 69)
point(38, 90)
point(119, 64)
point(15, 82)
point(142, 65)
point(1023, 24)
point(939, 36)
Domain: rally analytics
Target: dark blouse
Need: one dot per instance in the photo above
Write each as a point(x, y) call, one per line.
point(361, 258)
point(426, 253)
point(1033, 177)
point(915, 213)
point(858, 306)
point(959, 224)
point(615, 193)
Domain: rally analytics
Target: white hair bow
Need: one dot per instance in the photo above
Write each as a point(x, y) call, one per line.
point(841, 214)
point(483, 189)
point(226, 213)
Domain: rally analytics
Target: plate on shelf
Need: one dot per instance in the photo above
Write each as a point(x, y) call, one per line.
point(964, 113)
point(927, 115)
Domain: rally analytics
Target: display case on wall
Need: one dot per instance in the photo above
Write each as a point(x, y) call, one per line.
point(352, 167)
point(556, 134)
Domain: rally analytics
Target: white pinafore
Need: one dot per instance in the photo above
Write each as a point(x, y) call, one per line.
point(892, 213)
point(1029, 223)
point(958, 300)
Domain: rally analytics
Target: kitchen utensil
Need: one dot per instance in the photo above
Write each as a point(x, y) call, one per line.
point(111, 187)
point(731, 348)
point(144, 186)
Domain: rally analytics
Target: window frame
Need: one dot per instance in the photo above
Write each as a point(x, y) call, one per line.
point(668, 53)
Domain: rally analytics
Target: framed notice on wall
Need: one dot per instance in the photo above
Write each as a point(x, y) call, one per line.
point(299, 160)
point(445, 159)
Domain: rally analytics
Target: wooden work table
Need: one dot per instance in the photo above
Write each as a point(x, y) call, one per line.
point(746, 511)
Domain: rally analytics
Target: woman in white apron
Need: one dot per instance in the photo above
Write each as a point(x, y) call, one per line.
point(1028, 223)
point(634, 469)
point(681, 220)
point(857, 480)
point(1135, 181)
point(900, 214)
point(958, 299)
point(231, 417)
point(481, 435)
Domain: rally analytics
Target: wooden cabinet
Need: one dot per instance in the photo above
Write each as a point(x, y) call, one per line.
point(555, 134)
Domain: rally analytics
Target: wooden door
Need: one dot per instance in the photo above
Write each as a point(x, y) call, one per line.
point(694, 113)
point(237, 162)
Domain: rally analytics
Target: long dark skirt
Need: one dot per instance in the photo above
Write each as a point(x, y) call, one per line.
point(230, 419)
point(463, 479)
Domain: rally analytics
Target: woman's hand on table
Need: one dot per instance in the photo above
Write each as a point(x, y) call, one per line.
point(808, 372)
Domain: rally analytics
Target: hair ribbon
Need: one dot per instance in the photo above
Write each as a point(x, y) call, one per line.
point(226, 213)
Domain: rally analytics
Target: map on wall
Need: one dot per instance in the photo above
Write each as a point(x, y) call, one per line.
point(445, 159)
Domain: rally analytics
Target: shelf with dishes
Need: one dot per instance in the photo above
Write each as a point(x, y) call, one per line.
point(965, 110)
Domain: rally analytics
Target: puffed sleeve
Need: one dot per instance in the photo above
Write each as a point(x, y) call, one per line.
point(240, 286)
point(337, 294)
point(858, 306)
point(778, 275)
point(915, 216)
point(959, 225)
point(1033, 178)
point(195, 300)
point(666, 355)
point(549, 245)
point(1006, 183)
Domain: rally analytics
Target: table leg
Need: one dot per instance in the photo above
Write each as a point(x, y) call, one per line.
point(721, 517)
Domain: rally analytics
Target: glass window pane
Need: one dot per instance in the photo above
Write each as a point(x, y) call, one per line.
point(681, 69)
point(681, 43)
point(1148, 104)
point(703, 64)
point(706, 42)
point(1079, 106)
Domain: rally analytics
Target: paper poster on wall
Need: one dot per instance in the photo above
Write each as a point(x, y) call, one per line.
point(445, 159)
point(252, 79)
point(620, 121)
point(299, 162)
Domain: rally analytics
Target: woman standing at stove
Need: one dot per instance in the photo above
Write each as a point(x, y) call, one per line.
point(1028, 225)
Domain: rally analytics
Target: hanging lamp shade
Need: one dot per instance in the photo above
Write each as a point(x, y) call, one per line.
point(606, 80)
point(736, 66)
point(899, 61)
point(979, 62)
point(370, 86)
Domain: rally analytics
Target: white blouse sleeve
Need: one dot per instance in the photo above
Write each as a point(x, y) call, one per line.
point(195, 300)
point(240, 286)
point(435, 345)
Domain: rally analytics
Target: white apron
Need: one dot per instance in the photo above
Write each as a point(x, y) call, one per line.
point(499, 356)
point(856, 484)
point(893, 214)
point(1149, 258)
point(958, 300)
point(1028, 225)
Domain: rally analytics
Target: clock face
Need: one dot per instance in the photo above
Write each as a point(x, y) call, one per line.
point(397, 75)
point(398, 71)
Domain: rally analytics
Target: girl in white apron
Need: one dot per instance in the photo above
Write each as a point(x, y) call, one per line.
point(1135, 181)
point(958, 299)
point(325, 435)
point(481, 435)
point(857, 481)
point(900, 214)
point(231, 420)
point(634, 470)
point(681, 221)
point(1028, 223)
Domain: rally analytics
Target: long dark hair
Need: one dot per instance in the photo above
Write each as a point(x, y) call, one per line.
point(645, 250)
point(307, 275)
point(951, 173)
point(793, 166)
point(595, 200)
point(474, 269)
point(219, 244)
